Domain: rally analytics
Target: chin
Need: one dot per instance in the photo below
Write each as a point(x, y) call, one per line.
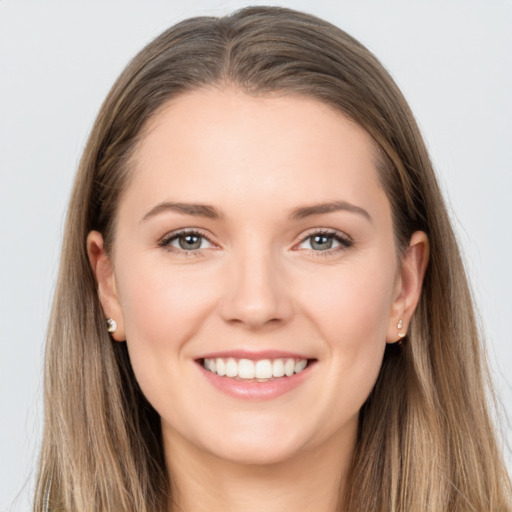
point(257, 447)
point(256, 455)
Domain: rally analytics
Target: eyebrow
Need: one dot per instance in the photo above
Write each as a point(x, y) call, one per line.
point(210, 212)
point(200, 210)
point(334, 206)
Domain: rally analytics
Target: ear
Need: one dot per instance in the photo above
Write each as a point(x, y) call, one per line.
point(107, 290)
point(408, 289)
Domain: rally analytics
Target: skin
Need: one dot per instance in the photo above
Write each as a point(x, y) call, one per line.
point(258, 284)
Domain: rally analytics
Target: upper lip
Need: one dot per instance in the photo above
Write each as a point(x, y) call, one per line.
point(253, 355)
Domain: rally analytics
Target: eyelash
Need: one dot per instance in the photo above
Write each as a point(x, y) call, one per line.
point(344, 241)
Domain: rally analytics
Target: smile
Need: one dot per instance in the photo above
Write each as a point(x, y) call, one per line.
point(262, 370)
point(250, 376)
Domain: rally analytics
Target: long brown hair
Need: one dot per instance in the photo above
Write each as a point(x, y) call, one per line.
point(425, 440)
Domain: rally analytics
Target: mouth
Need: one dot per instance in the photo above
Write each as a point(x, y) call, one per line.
point(262, 375)
point(255, 370)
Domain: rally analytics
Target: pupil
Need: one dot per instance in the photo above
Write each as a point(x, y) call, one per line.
point(321, 242)
point(190, 242)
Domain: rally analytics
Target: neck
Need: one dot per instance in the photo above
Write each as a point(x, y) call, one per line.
point(312, 481)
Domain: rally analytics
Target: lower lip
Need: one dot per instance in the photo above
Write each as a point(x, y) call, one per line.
point(252, 390)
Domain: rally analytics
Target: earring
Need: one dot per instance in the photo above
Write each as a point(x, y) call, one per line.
point(399, 326)
point(111, 325)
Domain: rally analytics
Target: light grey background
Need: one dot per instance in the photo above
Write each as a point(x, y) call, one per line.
point(452, 59)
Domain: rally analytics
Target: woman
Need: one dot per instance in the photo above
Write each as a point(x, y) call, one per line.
point(261, 304)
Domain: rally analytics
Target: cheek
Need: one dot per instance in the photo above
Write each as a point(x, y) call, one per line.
point(351, 311)
point(162, 301)
point(162, 309)
point(352, 305)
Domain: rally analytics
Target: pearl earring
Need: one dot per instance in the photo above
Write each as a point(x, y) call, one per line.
point(399, 326)
point(111, 325)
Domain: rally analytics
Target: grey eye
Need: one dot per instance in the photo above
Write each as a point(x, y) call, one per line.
point(320, 242)
point(190, 242)
point(187, 242)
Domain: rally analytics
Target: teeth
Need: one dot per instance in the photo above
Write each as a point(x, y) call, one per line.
point(262, 370)
point(289, 367)
point(246, 369)
point(300, 365)
point(278, 368)
point(231, 368)
point(220, 367)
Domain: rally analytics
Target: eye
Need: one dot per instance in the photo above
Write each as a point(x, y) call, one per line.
point(188, 241)
point(322, 241)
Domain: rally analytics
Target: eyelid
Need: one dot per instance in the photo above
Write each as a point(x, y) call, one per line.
point(344, 240)
point(324, 231)
point(165, 240)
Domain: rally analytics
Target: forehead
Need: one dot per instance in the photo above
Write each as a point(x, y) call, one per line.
point(223, 145)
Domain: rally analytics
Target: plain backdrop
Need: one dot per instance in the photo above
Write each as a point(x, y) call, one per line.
point(452, 59)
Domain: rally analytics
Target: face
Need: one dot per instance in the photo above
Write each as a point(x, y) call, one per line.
point(254, 239)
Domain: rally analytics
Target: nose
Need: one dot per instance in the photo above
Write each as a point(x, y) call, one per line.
point(256, 293)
